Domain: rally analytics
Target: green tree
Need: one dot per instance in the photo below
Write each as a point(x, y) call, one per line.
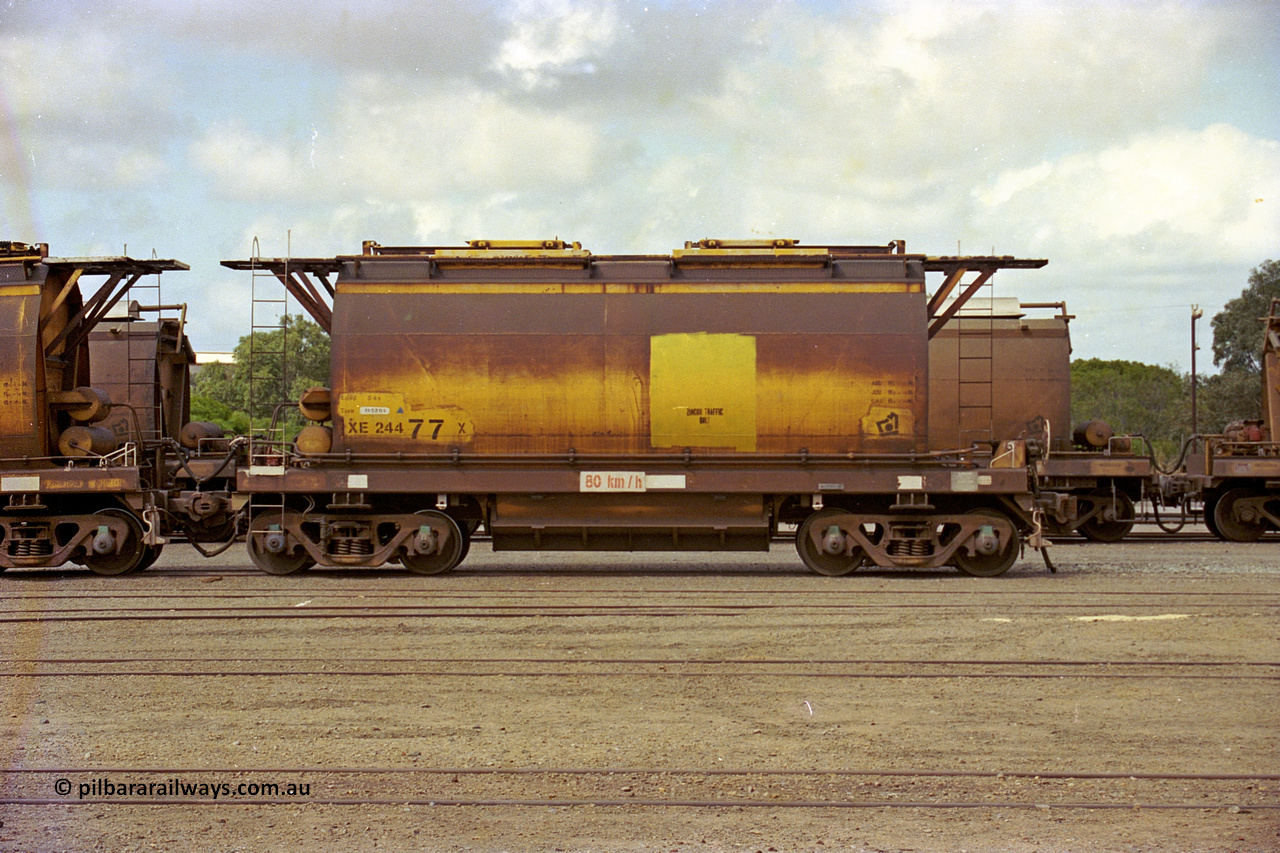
point(212, 383)
point(1236, 393)
point(1232, 395)
point(1134, 398)
point(205, 409)
point(271, 367)
point(1237, 328)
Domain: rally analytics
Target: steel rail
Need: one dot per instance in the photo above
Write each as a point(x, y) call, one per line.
point(599, 608)
point(308, 613)
point(667, 775)
point(638, 802)
point(1132, 664)
point(391, 613)
point(466, 593)
point(488, 611)
point(1025, 675)
point(663, 771)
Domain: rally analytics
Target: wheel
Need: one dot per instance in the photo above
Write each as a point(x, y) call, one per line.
point(468, 530)
point(285, 563)
point(129, 552)
point(997, 563)
point(814, 557)
point(152, 554)
point(1210, 507)
point(1100, 529)
point(1227, 516)
point(455, 547)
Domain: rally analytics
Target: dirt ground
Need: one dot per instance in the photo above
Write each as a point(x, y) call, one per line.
point(648, 702)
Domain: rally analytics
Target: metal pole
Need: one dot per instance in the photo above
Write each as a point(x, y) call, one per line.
point(1196, 314)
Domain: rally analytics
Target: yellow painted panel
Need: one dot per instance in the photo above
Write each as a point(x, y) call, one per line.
point(385, 415)
point(702, 391)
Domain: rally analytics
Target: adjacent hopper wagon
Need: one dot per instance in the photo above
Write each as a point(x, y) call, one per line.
point(92, 402)
point(1001, 370)
point(1237, 472)
point(71, 491)
point(690, 401)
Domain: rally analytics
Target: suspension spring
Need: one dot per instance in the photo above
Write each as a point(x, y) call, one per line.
point(350, 546)
point(910, 548)
point(30, 546)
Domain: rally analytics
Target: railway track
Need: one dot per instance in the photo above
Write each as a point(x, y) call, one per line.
point(644, 788)
point(667, 668)
point(385, 597)
point(297, 612)
point(580, 700)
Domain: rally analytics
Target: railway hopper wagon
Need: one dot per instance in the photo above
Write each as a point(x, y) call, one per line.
point(690, 401)
point(1237, 473)
point(70, 491)
point(1001, 370)
point(143, 360)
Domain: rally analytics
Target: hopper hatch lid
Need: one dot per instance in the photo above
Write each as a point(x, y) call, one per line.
point(775, 250)
point(487, 251)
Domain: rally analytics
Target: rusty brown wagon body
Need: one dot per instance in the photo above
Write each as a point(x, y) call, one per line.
point(1001, 370)
point(997, 374)
point(67, 494)
point(145, 367)
point(686, 401)
point(1237, 473)
point(81, 480)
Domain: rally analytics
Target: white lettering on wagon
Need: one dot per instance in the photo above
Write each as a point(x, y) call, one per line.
point(628, 481)
point(611, 481)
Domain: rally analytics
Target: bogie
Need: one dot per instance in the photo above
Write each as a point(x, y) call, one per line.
point(283, 540)
point(980, 541)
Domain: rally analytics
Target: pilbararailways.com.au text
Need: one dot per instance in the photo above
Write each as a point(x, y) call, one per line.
point(176, 787)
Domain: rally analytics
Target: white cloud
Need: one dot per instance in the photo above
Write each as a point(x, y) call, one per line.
point(551, 37)
point(1168, 198)
point(85, 113)
point(83, 79)
point(950, 92)
point(400, 146)
point(247, 164)
point(1115, 137)
point(1008, 184)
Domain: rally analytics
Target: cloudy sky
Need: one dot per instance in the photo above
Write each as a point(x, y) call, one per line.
point(1136, 145)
